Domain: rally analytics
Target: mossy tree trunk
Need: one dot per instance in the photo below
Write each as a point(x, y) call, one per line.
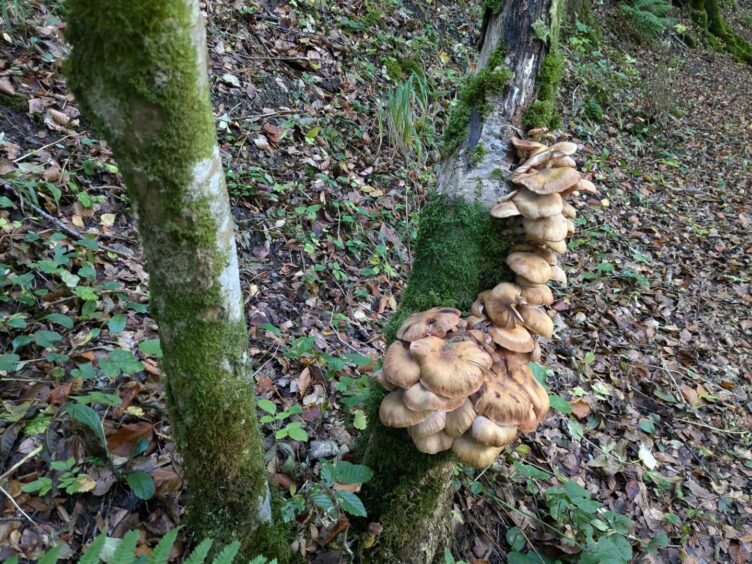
point(138, 68)
point(707, 14)
point(460, 251)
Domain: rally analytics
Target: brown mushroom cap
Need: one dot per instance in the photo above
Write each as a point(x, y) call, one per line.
point(540, 294)
point(531, 266)
point(436, 322)
point(564, 147)
point(498, 302)
point(450, 369)
point(584, 185)
point(570, 227)
point(506, 403)
point(518, 369)
point(536, 206)
point(433, 424)
point(525, 147)
point(558, 275)
point(420, 398)
point(489, 433)
point(394, 413)
point(505, 209)
point(548, 180)
point(473, 453)
point(544, 252)
point(562, 161)
point(568, 211)
point(552, 228)
point(559, 247)
point(400, 368)
point(431, 444)
point(516, 339)
point(537, 320)
point(386, 384)
point(460, 420)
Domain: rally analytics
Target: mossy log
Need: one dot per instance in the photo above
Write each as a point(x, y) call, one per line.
point(139, 70)
point(460, 251)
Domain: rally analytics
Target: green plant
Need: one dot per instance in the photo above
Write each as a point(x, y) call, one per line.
point(407, 117)
point(292, 429)
point(649, 17)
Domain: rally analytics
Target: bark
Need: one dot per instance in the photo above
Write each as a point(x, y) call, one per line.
point(707, 14)
point(460, 251)
point(138, 68)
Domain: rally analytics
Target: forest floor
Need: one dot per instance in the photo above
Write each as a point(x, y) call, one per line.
point(653, 360)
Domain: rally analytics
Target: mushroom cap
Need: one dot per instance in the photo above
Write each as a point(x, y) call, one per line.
point(436, 321)
point(489, 433)
point(394, 413)
point(562, 161)
point(535, 206)
point(570, 227)
point(539, 250)
point(537, 132)
point(381, 379)
point(530, 265)
point(400, 368)
point(553, 228)
point(420, 398)
point(431, 444)
point(498, 302)
point(516, 339)
point(506, 403)
point(505, 209)
point(559, 247)
point(564, 147)
point(584, 185)
point(452, 369)
point(433, 424)
point(537, 320)
point(568, 211)
point(473, 453)
point(548, 180)
point(540, 294)
point(558, 275)
point(518, 369)
point(523, 282)
point(525, 146)
point(460, 420)
point(536, 353)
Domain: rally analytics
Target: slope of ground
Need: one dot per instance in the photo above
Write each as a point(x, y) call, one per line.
point(653, 362)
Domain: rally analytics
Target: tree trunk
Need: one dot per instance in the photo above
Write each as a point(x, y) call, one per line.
point(707, 14)
point(139, 69)
point(460, 252)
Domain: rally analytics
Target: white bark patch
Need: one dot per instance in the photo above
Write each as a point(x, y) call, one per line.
point(208, 182)
point(264, 508)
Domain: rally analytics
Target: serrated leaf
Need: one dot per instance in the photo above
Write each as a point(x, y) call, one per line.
point(142, 484)
point(347, 473)
point(161, 552)
point(116, 324)
point(351, 503)
point(60, 319)
point(267, 405)
point(91, 554)
point(125, 551)
point(559, 404)
point(322, 500)
point(199, 553)
point(227, 555)
point(360, 421)
point(9, 362)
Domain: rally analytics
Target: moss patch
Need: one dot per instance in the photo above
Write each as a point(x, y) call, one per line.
point(489, 81)
point(707, 15)
point(542, 112)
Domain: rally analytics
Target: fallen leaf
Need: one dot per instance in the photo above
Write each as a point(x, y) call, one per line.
point(580, 409)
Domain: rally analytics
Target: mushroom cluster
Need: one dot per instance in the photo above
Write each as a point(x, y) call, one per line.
point(464, 383)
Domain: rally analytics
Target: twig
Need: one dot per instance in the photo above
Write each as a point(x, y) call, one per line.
point(259, 58)
point(21, 462)
point(22, 157)
point(21, 511)
point(716, 429)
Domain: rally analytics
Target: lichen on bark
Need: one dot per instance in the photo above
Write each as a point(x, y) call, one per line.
point(138, 69)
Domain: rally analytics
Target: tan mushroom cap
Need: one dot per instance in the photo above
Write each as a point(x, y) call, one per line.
point(584, 185)
point(420, 398)
point(558, 275)
point(431, 444)
point(505, 209)
point(450, 369)
point(489, 433)
point(568, 211)
point(525, 147)
point(570, 227)
point(506, 403)
point(537, 132)
point(400, 368)
point(499, 301)
point(433, 424)
point(536, 353)
point(460, 420)
point(394, 413)
point(537, 320)
point(529, 265)
point(518, 369)
point(548, 180)
point(559, 247)
point(436, 322)
point(540, 294)
point(566, 148)
point(562, 161)
point(516, 339)
point(543, 252)
point(552, 228)
point(535, 206)
point(386, 384)
point(473, 453)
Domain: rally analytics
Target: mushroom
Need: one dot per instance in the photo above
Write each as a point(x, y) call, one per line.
point(420, 398)
point(505, 209)
point(566, 148)
point(433, 424)
point(506, 403)
point(568, 211)
point(515, 338)
point(570, 227)
point(489, 433)
point(386, 384)
point(558, 275)
point(473, 453)
point(529, 265)
point(400, 368)
point(431, 444)
point(552, 228)
point(450, 369)
point(394, 413)
point(548, 180)
point(562, 161)
point(499, 301)
point(525, 147)
point(436, 321)
point(535, 206)
point(539, 294)
point(543, 252)
point(537, 320)
point(460, 420)
point(559, 247)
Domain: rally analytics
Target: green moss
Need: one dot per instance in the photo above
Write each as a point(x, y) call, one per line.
point(592, 109)
point(707, 15)
point(401, 68)
point(479, 153)
point(489, 81)
point(542, 112)
point(14, 102)
point(494, 5)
